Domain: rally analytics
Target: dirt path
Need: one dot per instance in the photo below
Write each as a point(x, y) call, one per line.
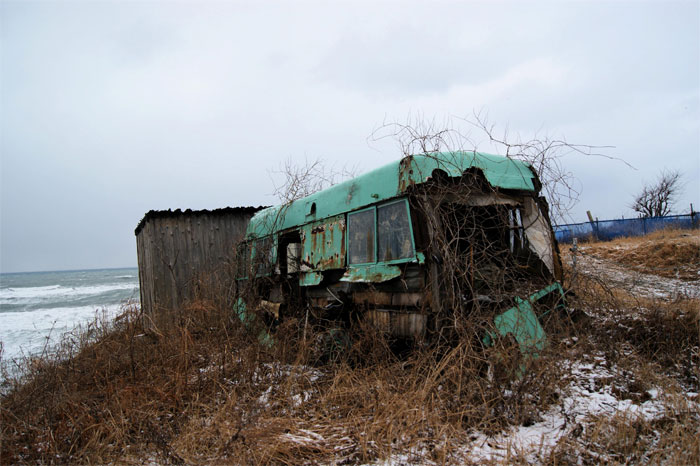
point(645, 285)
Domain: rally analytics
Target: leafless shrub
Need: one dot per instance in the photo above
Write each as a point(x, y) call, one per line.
point(303, 179)
point(546, 154)
point(657, 199)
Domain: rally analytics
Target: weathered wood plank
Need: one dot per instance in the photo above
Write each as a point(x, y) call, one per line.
point(179, 250)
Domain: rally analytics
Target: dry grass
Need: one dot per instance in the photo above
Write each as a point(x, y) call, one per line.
point(669, 253)
point(625, 438)
point(125, 388)
point(203, 391)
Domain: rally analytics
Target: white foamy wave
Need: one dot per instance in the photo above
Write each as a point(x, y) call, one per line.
point(31, 291)
point(28, 333)
point(34, 293)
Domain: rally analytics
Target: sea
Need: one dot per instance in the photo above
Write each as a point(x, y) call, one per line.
point(38, 308)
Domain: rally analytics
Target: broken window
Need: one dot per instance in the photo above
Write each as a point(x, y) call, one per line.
point(293, 257)
point(361, 229)
point(394, 232)
point(264, 256)
point(242, 260)
point(515, 225)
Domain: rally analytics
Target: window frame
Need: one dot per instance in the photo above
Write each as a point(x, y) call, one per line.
point(347, 237)
point(410, 258)
point(243, 258)
point(375, 207)
point(271, 256)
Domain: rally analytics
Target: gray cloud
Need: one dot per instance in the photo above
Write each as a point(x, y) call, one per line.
point(110, 109)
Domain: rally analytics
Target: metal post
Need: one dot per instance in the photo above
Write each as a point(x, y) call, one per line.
point(593, 225)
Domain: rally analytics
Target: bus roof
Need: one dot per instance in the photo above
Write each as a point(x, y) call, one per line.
point(387, 182)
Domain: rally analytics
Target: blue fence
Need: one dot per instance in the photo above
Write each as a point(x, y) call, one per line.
point(605, 230)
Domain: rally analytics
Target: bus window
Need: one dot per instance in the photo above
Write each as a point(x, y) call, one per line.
point(242, 260)
point(264, 256)
point(361, 237)
point(394, 232)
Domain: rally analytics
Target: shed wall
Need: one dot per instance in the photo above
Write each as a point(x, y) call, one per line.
point(181, 257)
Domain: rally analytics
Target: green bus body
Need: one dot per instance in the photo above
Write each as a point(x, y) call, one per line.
point(369, 244)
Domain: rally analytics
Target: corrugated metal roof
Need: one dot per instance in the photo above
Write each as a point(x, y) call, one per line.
point(153, 214)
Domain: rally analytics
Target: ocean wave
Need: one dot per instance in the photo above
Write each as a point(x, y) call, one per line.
point(24, 333)
point(12, 295)
point(33, 291)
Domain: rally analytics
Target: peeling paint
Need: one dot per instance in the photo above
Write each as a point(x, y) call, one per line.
point(522, 322)
point(371, 273)
point(310, 278)
point(323, 244)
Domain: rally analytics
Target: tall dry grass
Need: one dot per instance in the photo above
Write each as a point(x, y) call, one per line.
point(670, 252)
point(203, 390)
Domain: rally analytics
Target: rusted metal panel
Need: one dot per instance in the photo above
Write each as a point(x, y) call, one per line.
point(377, 273)
point(384, 298)
point(323, 244)
point(310, 278)
point(400, 324)
point(522, 322)
point(501, 172)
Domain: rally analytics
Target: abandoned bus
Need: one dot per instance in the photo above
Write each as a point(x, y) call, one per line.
point(410, 245)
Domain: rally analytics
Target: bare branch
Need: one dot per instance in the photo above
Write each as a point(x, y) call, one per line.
point(303, 179)
point(658, 199)
point(421, 136)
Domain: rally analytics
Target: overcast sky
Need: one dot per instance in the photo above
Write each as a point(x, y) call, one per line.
point(110, 109)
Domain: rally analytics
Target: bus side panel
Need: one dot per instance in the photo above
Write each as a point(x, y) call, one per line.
point(323, 244)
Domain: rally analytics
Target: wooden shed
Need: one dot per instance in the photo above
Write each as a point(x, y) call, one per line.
point(183, 254)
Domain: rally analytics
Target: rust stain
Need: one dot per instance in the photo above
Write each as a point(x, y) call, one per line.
point(351, 193)
point(326, 243)
point(405, 174)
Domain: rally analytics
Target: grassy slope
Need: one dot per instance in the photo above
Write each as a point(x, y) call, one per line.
point(666, 253)
point(617, 384)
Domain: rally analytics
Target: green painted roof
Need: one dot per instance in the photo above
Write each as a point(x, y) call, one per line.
point(388, 182)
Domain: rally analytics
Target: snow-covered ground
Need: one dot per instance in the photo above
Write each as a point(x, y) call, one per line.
point(593, 389)
point(590, 392)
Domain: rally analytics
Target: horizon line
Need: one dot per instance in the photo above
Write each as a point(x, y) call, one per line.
point(71, 270)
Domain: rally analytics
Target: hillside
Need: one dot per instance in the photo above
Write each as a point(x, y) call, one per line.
point(666, 253)
point(618, 383)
